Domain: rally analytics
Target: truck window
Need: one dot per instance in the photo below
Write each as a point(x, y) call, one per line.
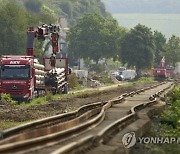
point(15, 72)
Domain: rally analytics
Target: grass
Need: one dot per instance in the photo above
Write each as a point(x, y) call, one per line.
point(145, 80)
point(9, 124)
point(8, 98)
point(170, 119)
point(36, 101)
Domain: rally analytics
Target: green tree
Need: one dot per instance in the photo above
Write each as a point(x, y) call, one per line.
point(33, 5)
point(74, 9)
point(113, 38)
point(13, 25)
point(160, 44)
point(66, 7)
point(173, 50)
point(93, 37)
point(137, 48)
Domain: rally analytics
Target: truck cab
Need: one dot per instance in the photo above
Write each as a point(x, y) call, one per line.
point(16, 76)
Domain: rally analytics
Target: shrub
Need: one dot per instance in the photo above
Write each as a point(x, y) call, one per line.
point(8, 98)
point(145, 80)
point(97, 68)
point(49, 96)
point(175, 94)
point(170, 119)
point(73, 81)
point(105, 79)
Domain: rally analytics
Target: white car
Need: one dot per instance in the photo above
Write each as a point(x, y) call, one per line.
point(115, 74)
point(128, 74)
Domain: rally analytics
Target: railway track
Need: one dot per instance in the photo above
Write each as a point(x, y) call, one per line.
point(81, 130)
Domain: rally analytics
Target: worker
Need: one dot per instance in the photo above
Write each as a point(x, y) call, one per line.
point(53, 61)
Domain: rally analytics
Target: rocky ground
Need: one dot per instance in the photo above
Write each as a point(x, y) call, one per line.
point(11, 115)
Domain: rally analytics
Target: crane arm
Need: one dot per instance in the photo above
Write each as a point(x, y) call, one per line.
point(162, 62)
point(41, 33)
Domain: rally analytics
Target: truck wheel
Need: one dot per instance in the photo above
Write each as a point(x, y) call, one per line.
point(65, 89)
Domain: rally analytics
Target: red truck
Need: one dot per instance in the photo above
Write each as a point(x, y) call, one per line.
point(163, 72)
point(23, 78)
point(20, 77)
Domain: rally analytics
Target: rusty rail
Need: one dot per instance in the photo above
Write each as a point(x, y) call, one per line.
point(102, 137)
point(50, 120)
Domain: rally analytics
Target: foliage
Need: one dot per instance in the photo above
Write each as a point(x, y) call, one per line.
point(106, 79)
point(36, 101)
point(175, 94)
point(94, 37)
point(75, 9)
point(33, 5)
point(49, 96)
point(160, 43)
point(144, 80)
point(73, 81)
point(170, 120)
point(137, 48)
point(13, 26)
point(15, 20)
point(9, 124)
point(97, 68)
point(8, 98)
point(71, 9)
point(173, 50)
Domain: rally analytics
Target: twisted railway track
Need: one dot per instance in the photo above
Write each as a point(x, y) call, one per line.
point(83, 129)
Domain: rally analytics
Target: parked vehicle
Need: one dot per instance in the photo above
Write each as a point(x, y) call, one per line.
point(115, 74)
point(162, 71)
point(128, 74)
point(121, 69)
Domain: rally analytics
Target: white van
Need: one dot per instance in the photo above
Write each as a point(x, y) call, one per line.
point(128, 74)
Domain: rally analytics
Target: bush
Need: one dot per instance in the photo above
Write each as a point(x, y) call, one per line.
point(145, 80)
point(170, 119)
point(105, 79)
point(175, 94)
point(8, 98)
point(73, 81)
point(49, 96)
point(33, 5)
point(97, 68)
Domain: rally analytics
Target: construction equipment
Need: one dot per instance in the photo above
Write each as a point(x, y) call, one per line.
point(22, 77)
point(162, 71)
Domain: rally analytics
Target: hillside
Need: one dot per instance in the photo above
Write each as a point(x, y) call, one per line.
point(143, 6)
point(71, 9)
point(17, 15)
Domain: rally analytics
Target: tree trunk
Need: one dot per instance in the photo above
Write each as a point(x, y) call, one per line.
point(138, 71)
point(97, 60)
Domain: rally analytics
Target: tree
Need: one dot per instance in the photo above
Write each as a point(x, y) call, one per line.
point(93, 37)
point(74, 9)
point(137, 48)
point(13, 25)
point(66, 7)
point(173, 50)
point(114, 35)
point(160, 44)
point(33, 5)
